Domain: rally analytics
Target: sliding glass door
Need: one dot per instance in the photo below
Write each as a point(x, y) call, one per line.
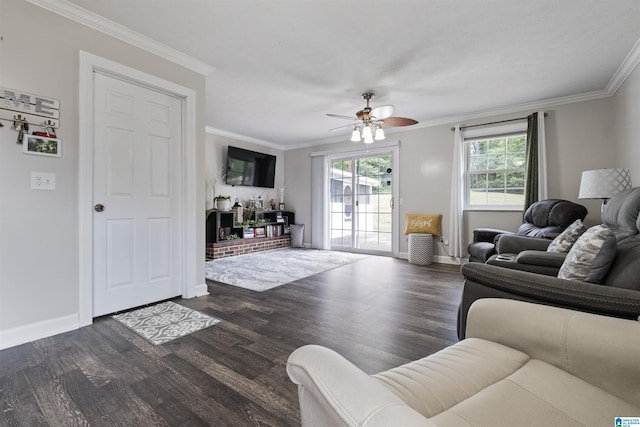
point(361, 203)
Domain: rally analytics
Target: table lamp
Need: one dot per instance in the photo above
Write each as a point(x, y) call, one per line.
point(603, 184)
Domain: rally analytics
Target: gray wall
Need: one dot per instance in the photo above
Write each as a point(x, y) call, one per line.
point(216, 157)
point(626, 107)
point(39, 229)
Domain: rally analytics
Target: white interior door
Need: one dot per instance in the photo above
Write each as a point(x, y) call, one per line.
point(137, 181)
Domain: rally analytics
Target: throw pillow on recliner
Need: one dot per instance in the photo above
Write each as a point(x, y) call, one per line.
point(566, 239)
point(591, 256)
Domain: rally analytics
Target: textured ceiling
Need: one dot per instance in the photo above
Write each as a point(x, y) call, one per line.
point(281, 65)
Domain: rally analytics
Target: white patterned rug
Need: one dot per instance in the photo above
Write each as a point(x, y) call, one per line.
point(260, 271)
point(164, 322)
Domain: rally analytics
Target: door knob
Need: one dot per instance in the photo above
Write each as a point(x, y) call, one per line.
point(98, 207)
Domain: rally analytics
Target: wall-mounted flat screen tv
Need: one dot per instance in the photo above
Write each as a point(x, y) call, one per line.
point(246, 167)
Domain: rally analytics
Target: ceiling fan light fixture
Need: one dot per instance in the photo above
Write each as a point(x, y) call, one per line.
point(367, 135)
point(369, 121)
point(355, 135)
point(366, 132)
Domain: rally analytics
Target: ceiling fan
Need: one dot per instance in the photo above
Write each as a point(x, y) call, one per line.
point(369, 121)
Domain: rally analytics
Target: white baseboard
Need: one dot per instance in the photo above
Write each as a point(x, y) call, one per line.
point(440, 259)
point(202, 290)
point(35, 331)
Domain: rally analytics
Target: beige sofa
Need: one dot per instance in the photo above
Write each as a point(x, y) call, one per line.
point(521, 364)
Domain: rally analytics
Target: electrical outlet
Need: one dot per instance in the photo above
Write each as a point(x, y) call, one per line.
point(446, 242)
point(43, 181)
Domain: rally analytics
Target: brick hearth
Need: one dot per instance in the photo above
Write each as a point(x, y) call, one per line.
point(230, 248)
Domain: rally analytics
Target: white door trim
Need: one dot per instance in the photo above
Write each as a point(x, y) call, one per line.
point(90, 63)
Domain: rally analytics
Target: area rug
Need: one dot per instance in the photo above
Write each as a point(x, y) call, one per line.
point(265, 270)
point(164, 322)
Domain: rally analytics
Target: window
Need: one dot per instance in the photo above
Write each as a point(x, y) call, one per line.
point(495, 171)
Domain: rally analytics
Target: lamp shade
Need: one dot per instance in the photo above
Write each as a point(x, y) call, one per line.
point(603, 183)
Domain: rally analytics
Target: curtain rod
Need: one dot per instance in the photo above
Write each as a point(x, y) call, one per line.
point(494, 123)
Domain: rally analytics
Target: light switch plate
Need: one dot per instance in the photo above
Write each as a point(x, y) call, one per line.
point(43, 181)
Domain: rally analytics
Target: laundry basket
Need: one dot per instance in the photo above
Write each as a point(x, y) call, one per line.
point(420, 248)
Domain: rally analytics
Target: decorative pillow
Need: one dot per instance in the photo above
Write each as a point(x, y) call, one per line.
point(418, 223)
point(591, 256)
point(567, 238)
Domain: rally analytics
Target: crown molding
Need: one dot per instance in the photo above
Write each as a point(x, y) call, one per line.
point(624, 70)
point(120, 32)
point(529, 106)
point(519, 108)
point(315, 143)
point(221, 132)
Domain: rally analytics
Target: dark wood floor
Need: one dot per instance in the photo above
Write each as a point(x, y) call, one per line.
point(378, 312)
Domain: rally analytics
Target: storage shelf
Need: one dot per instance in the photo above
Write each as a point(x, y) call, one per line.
point(220, 224)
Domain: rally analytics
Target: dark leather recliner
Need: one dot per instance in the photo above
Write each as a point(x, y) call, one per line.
point(618, 295)
point(543, 219)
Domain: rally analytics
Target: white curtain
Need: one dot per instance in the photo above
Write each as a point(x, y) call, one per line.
point(319, 191)
point(542, 159)
point(456, 238)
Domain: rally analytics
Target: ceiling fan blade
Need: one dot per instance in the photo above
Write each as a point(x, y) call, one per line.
point(338, 116)
point(399, 121)
point(383, 111)
point(345, 126)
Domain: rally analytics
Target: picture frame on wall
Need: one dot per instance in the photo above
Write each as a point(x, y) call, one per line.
point(42, 146)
